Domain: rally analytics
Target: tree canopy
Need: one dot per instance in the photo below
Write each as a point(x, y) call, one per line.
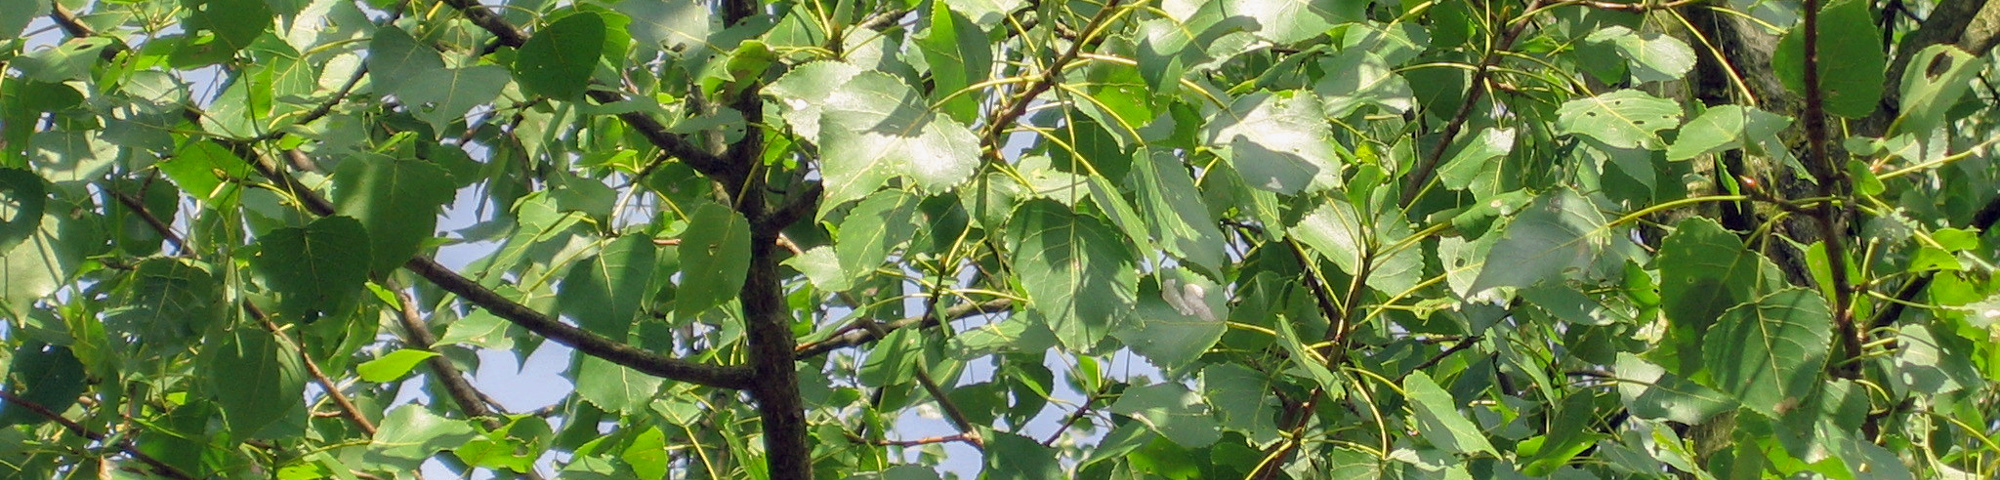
point(790, 239)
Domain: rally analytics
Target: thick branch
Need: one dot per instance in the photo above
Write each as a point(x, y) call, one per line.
point(732, 377)
point(417, 334)
point(124, 443)
point(347, 408)
point(583, 341)
point(1829, 176)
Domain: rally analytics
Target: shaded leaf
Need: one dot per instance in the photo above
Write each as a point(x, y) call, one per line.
point(1276, 141)
point(319, 268)
point(397, 202)
point(604, 293)
point(1438, 418)
point(1851, 60)
point(1172, 410)
point(1768, 354)
point(614, 387)
point(254, 379)
point(715, 257)
point(557, 61)
point(1078, 273)
point(1621, 119)
point(1559, 233)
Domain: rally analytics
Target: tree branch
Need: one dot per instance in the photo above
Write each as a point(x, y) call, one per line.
point(865, 335)
point(1474, 91)
point(1830, 176)
point(731, 377)
point(124, 443)
point(417, 334)
point(655, 132)
point(347, 408)
point(1018, 105)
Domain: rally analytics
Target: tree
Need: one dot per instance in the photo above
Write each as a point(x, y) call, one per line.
point(1097, 238)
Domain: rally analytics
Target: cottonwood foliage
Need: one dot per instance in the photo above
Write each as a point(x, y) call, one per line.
point(1091, 238)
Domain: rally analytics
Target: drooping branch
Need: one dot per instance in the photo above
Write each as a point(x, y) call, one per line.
point(1475, 91)
point(124, 443)
point(992, 139)
point(655, 132)
point(731, 377)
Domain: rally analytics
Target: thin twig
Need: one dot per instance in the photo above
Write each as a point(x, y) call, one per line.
point(124, 444)
point(347, 408)
point(861, 336)
point(1018, 105)
point(1422, 176)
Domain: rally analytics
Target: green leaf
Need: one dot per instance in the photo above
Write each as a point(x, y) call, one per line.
point(1011, 457)
point(412, 432)
point(46, 375)
point(1653, 56)
point(558, 60)
point(397, 202)
point(1290, 21)
point(873, 229)
point(16, 14)
point(1726, 127)
point(209, 172)
point(1179, 317)
point(1337, 232)
point(442, 96)
point(1621, 119)
point(318, 269)
point(614, 387)
point(1768, 354)
point(603, 293)
point(1242, 400)
point(1173, 209)
point(39, 265)
point(1171, 409)
point(1851, 60)
point(1276, 141)
point(1474, 163)
point(1929, 364)
point(715, 257)
point(23, 199)
point(1936, 79)
point(894, 361)
point(235, 23)
point(393, 366)
point(171, 304)
point(254, 379)
point(870, 127)
point(648, 454)
point(1559, 233)
point(1438, 418)
point(959, 55)
point(1650, 392)
point(1705, 270)
point(1357, 77)
point(395, 59)
point(670, 24)
point(1078, 273)
point(70, 60)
